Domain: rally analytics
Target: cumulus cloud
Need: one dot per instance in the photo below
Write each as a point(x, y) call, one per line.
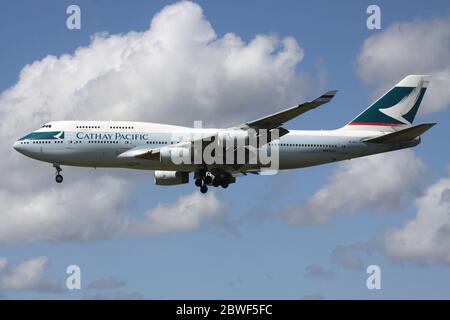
point(99, 209)
point(426, 237)
point(418, 47)
point(30, 275)
point(179, 63)
point(187, 213)
point(381, 182)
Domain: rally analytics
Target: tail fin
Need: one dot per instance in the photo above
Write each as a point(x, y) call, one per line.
point(396, 108)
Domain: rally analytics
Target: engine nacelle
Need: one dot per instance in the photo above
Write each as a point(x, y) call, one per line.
point(170, 178)
point(174, 155)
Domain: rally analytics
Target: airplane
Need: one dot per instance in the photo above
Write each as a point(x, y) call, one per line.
point(386, 125)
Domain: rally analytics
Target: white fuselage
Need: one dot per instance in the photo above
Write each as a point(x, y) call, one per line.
point(98, 144)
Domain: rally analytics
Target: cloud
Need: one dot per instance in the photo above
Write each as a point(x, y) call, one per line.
point(418, 47)
point(314, 271)
point(350, 256)
point(426, 237)
point(179, 63)
point(30, 275)
point(381, 182)
point(187, 213)
point(98, 209)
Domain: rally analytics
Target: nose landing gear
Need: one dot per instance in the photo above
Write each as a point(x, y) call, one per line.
point(58, 177)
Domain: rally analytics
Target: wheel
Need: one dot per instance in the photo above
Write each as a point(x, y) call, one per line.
point(208, 179)
point(203, 189)
point(198, 182)
point(59, 178)
point(224, 184)
point(216, 182)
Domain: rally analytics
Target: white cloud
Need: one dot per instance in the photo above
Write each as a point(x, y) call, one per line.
point(30, 275)
point(418, 47)
point(179, 63)
point(84, 209)
point(381, 182)
point(89, 209)
point(426, 237)
point(187, 213)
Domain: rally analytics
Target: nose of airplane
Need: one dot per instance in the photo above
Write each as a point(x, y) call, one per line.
point(18, 146)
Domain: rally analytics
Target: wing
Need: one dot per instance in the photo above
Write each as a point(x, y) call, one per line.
point(277, 119)
point(273, 121)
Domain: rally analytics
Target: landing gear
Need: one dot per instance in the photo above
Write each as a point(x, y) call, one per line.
point(207, 179)
point(59, 177)
point(204, 189)
point(199, 182)
point(216, 182)
point(204, 178)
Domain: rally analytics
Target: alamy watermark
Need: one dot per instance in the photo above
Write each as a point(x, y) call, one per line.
point(249, 146)
point(373, 22)
point(73, 21)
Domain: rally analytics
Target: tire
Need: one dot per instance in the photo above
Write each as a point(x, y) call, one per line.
point(59, 178)
point(203, 189)
point(208, 179)
point(216, 182)
point(199, 182)
point(224, 184)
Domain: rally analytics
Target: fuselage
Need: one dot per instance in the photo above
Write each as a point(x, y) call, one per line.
point(98, 144)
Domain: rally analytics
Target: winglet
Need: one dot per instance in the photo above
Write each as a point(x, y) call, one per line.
point(326, 97)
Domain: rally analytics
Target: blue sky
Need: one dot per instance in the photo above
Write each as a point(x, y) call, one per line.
point(254, 252)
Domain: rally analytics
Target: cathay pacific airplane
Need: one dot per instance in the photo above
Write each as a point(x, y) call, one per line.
point(214, 156)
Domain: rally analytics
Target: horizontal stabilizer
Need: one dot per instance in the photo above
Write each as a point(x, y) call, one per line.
point(403, 135)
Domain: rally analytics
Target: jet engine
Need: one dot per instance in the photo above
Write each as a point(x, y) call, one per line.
point(170, 178)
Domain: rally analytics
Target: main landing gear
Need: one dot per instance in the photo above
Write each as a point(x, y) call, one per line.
point(205, 178)
point(58, 177)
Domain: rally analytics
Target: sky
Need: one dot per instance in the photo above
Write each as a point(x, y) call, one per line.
point(303, 234)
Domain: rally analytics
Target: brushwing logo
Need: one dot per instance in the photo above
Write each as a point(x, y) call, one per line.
point(402, 108)
point(59, 135)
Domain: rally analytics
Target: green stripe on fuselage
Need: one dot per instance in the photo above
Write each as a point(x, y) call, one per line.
point(43, 135)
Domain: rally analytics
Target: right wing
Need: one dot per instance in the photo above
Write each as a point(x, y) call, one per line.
point(277, 119)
